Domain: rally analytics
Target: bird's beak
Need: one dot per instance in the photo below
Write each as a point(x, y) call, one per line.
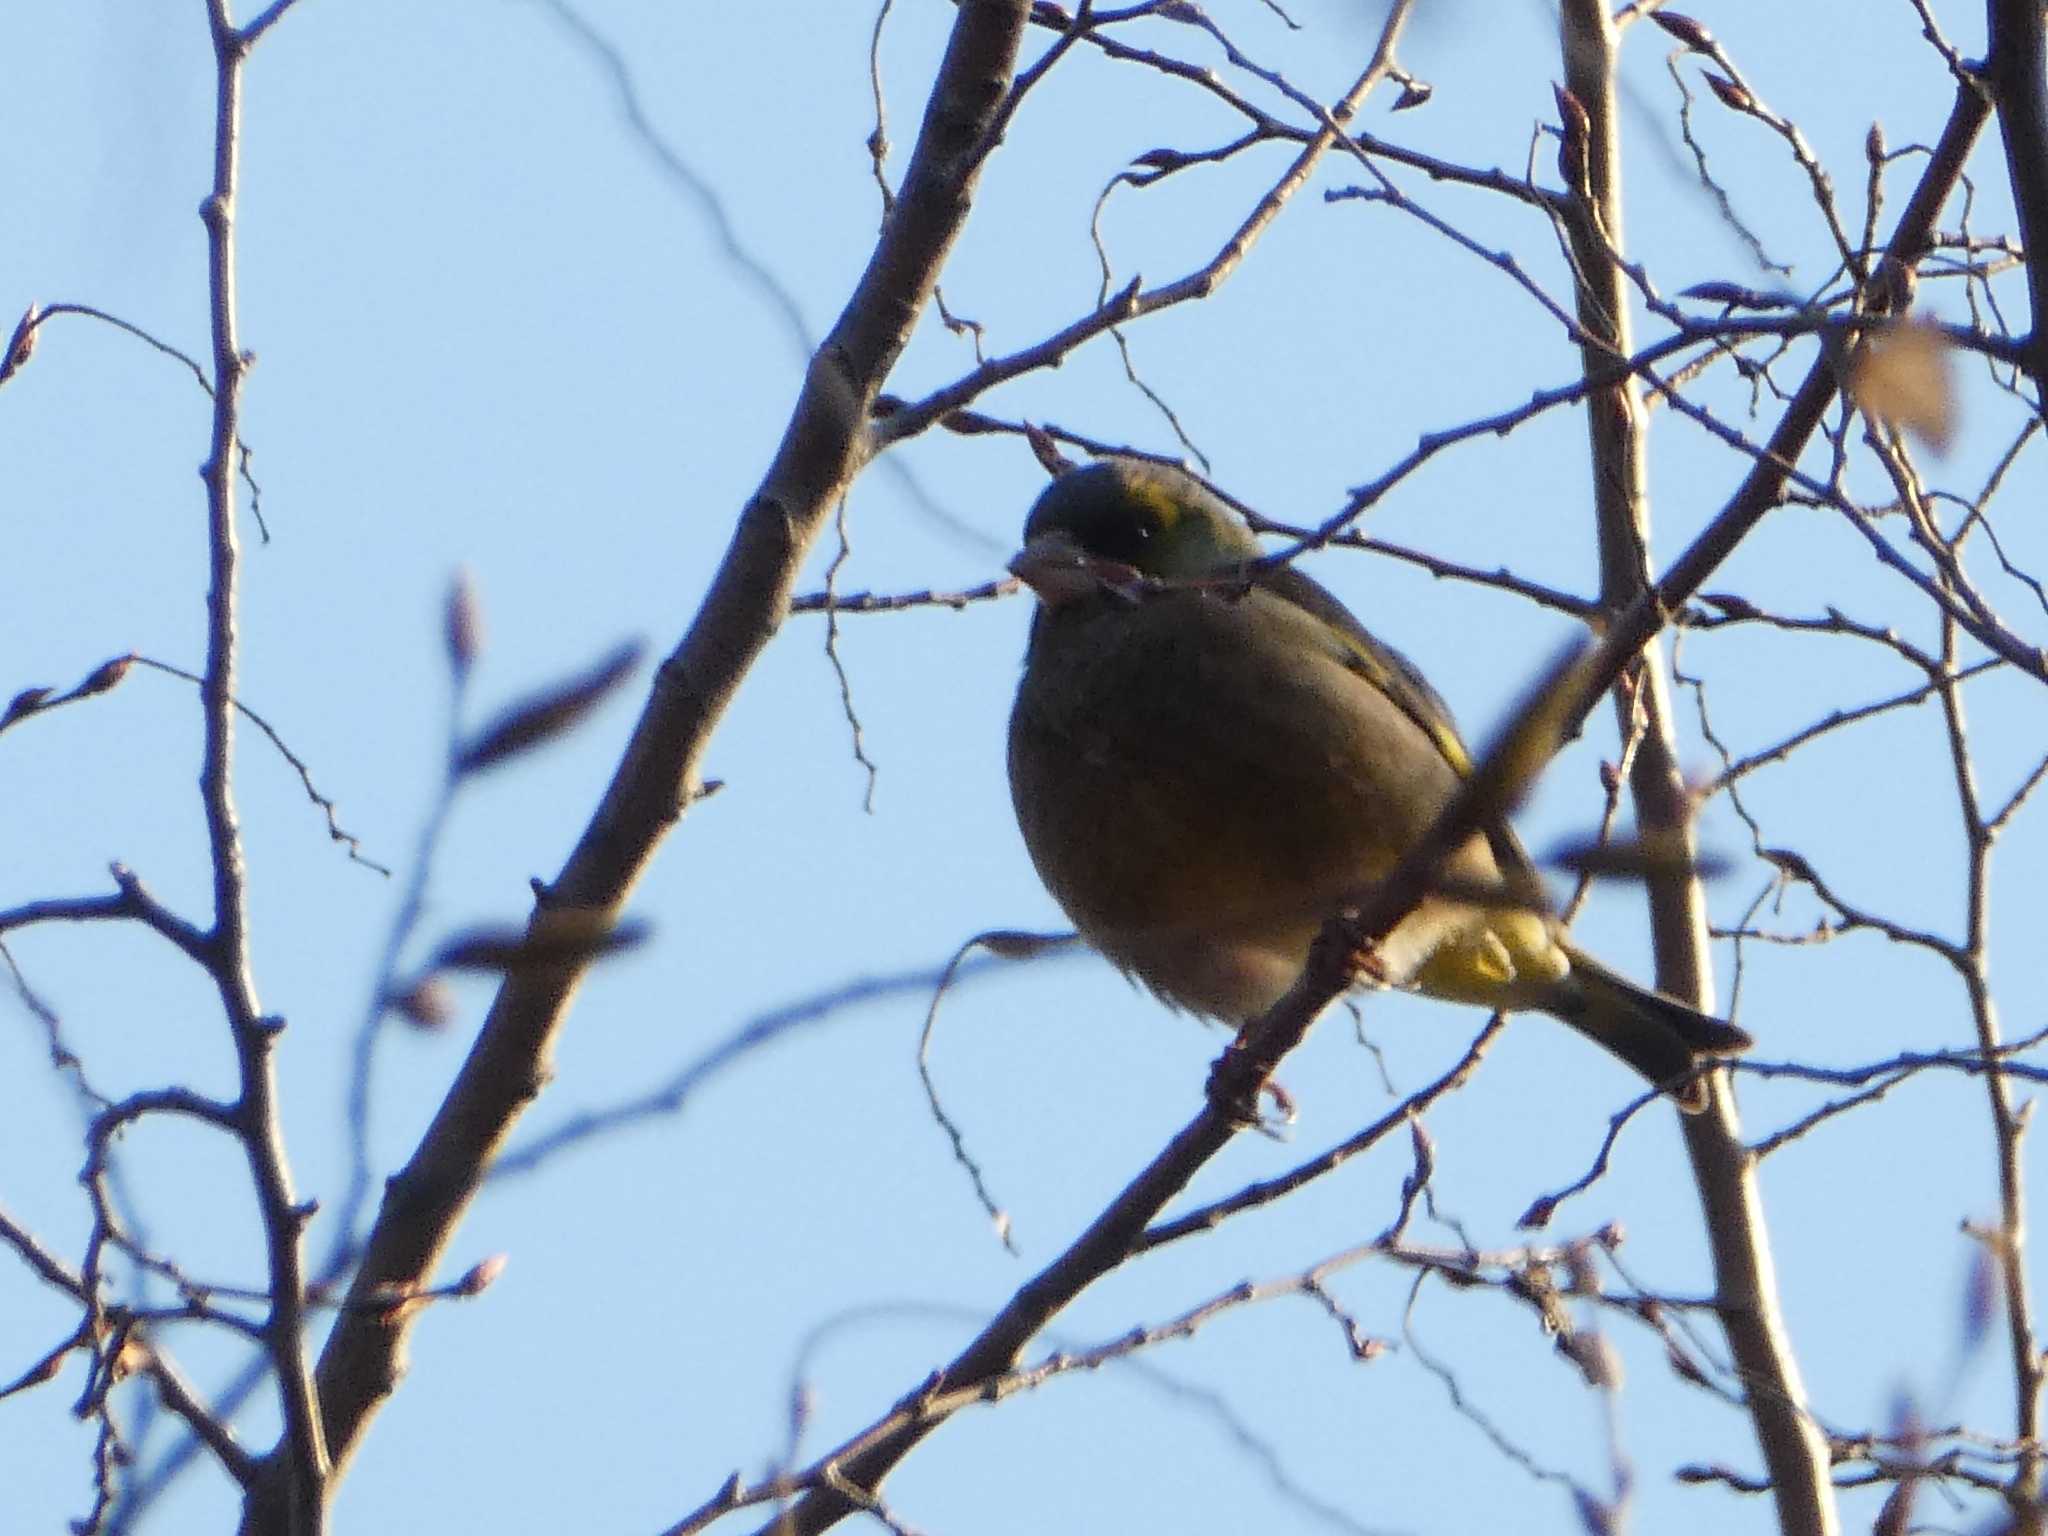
point(1060, 571)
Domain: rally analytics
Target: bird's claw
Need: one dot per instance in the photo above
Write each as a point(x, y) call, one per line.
point(1340, 950)
point(1238, 1101)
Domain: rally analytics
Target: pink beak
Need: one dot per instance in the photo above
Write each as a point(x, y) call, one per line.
point(1059, 570)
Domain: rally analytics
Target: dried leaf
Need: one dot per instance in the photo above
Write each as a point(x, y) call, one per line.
point(21, 346)
point(1571, 112)
point(104, 677)
point(1902, 377)
point(1572, 141)
point(1654, 857)
point(546, 714)
point(1729, 605)
point(462, 624)
point(428, 1004)
point(1683, 1366)
point(1691, 33)
point(1980, 1296)
point(1732, 95)
point(479, 1277)
point(1538, 1215)
point(1014, 944)
point(26, 702)
point(1792, 863)
point(557, 937)
point(1735, 296)
point(44, 1371)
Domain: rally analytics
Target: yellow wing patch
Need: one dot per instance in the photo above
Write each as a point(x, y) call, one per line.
point(1393, 681)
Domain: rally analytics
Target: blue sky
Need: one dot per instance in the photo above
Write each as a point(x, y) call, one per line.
point(494, 333)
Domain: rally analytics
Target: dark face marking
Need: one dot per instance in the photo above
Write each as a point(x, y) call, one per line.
point(1108, 513)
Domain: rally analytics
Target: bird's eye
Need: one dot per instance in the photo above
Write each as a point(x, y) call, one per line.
point(1124, 537)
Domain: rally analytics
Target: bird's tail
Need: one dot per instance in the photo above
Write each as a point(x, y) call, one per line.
point(1659, 1036)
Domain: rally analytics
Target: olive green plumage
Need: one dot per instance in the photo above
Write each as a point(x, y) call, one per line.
point(1203, 772)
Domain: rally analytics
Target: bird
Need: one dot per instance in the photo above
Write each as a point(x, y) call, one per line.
point(1209, 756)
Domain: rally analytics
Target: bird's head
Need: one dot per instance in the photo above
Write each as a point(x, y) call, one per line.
point(1116, 519)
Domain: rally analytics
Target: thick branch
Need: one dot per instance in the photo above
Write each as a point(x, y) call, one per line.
point(2017, 70)
point(1793, 1450)
point(303, 1450)
point(823, 447)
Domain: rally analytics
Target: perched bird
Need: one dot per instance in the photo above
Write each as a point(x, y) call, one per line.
point(1204, 771)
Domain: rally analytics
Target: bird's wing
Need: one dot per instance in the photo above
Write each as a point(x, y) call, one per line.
point(1385, 668)
point(1398, 678)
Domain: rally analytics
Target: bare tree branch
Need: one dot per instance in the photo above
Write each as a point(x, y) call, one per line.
point(824, 446)
point(2016, 71)
point(303, 1455)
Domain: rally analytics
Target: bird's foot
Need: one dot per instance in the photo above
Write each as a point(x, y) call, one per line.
point(1342, 952)
point(1278, 1124)
point(1239, 1100)
point(1228, 1091)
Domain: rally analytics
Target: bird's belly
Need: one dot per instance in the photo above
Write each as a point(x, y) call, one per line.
point(1200, 848)
point(1219, 977)
point(1443, 949)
